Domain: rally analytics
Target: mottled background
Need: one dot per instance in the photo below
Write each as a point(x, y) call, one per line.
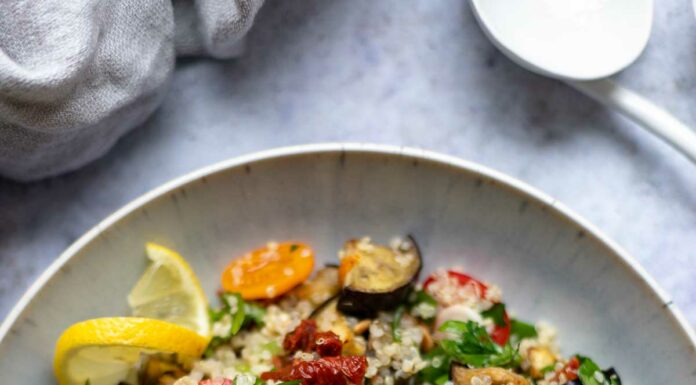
point(415, 73)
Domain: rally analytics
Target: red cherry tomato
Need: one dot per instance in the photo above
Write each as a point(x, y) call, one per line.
point(500, 334)
point(463, 280)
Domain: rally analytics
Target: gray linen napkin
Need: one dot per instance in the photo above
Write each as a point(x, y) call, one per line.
point(76, 75)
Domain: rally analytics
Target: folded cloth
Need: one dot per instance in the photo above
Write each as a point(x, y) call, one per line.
point(76, 75)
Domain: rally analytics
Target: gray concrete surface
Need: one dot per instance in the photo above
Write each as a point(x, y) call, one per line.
point(416, 73)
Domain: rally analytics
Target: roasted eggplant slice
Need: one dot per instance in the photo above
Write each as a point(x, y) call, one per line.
point(375, 277)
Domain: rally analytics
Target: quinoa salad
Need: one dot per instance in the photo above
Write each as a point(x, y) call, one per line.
point(369, 318)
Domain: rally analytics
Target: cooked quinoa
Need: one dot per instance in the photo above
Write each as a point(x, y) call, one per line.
point(448, 329)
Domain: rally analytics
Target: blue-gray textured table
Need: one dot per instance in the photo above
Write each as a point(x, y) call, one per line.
point(416, 73)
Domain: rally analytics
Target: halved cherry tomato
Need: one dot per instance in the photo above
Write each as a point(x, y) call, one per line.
point(463, 280)
point(269, 271)
point(501, 333)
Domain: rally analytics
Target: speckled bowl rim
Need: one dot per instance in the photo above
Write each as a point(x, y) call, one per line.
point(512, 184)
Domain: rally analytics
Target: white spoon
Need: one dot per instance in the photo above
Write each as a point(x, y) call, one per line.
point(582, 42)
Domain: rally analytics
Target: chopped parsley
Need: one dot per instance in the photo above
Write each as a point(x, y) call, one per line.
point(437, 371)
point(496, 313)
point(520, 330)
point(396, 323)
point(590, 373)
point(238, 313)
point(471, 345)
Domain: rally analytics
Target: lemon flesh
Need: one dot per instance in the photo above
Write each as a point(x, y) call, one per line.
point(168, 290)
point(106, 351)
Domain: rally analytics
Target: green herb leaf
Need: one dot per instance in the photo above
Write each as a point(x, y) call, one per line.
point(214, 343)
point(242, 367)
point(437, 369)
point(587, 371)
point(471, 345)
point(272, 347)
point(420, 296)
point(496, 313)
point(254, 313)
point(520, 330)
point(549, 368)
point(241, 314)
point(294, 247)
point(396, 323)
point(235, 301)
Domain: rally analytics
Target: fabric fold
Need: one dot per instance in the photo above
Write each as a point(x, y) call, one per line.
point(76, 75)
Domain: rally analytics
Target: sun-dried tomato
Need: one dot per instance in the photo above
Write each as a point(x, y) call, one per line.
point(302, 338)
point(342, 370)
point(327, 344)
point(306, 338)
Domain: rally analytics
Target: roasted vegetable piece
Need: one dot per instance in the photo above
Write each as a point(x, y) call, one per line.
point(462, 375)
point(269, 271)
point(159, 370)
point(218, 381)
point(362, 326)
point(427, 343)
point(376, 277)
point(539, 358)
point(330, 319)
point(320, 288)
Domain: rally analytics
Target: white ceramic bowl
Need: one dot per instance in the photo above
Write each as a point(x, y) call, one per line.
point(550, 264)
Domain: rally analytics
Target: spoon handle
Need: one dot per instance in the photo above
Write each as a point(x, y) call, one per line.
point(643, 112)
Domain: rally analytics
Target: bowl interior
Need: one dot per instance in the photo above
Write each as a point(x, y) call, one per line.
point(549, 267)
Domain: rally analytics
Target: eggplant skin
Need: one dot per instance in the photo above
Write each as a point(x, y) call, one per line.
point(364, 302)
point(366, 305)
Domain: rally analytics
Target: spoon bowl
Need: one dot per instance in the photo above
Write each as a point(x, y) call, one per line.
point(582, 42)
point(570, 39)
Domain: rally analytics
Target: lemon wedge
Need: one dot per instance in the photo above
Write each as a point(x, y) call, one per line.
point(169, 290)
point(106, 351)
